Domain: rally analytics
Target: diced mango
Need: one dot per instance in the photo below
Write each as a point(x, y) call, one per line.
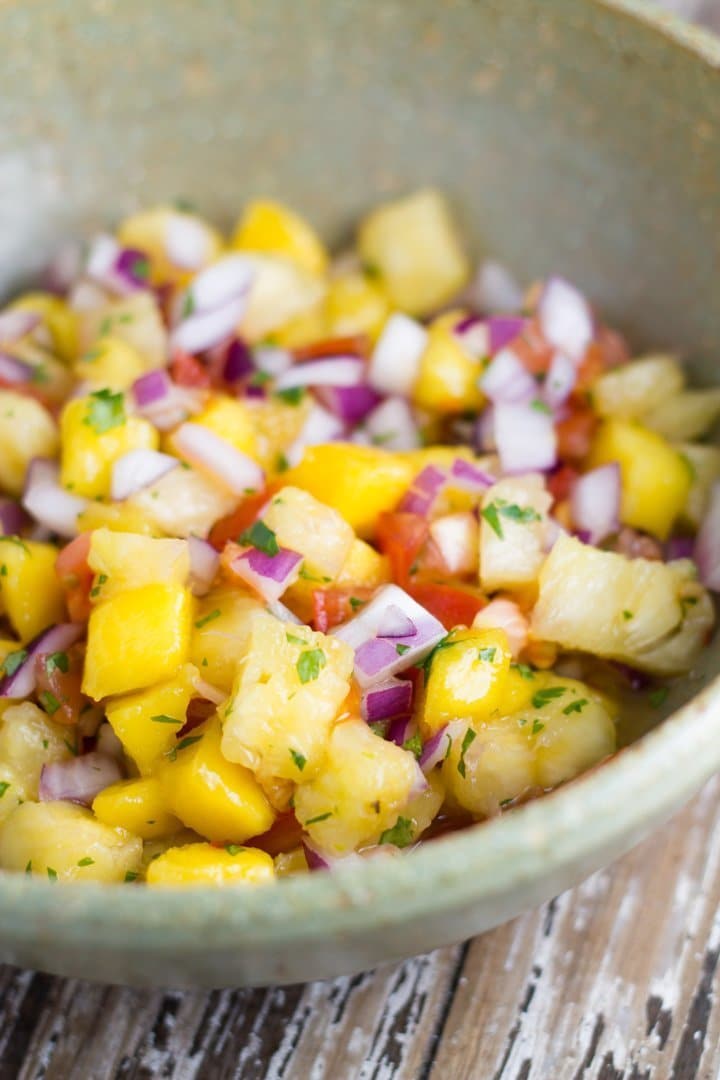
point(138, 806)
point(31, 593)
point(655, 478)
point(95, 431)
point(110, 362)
point(135, 319)
point(137, 638)
point(204, 864)
point(29, 739)
point(57, 316)
point(356, 305)
point(223, 623)
point(277, 230)
point(447, 381)
point(216, 797)
point(305, 328)
point(118, 517)
point(124, 561)
point(232, 421)
point(467, 677)
point(305, 524)
point(147, 722)
point(27, 431)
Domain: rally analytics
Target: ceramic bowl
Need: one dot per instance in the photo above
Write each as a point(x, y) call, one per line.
point(577, 137)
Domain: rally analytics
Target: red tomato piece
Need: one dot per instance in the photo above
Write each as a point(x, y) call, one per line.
point(401, 537)
point(230, 527)
point(575, 433)
point(334, 606)
point(76, 577)
point(186, 370)
point(353, 345)
point(452, 605)
point(560, 482)
point(58, 679)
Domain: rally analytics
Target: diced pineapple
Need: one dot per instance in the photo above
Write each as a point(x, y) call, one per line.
point(281, 290)
point(290, 686)
point(150, 231)
point(488, 766)
point(118, 517)
point(95, 432)
point(63, 842)
point(365, 782)
point(275, 229)
point(28, 740)
point(219, 799)
point(421, 810)
point(629, 391)
point(27, 431)
point(448, 377)
point(124, 561)
point(688, 415)
point(676, 653)
point(137, 638)
point(183, 503)
point(513, 532)
point(360, 482)
point(603, 603)
point(110, 362)
point(147, 723)
point(231, 420)
point(52, 376)
point(306, 525)
point(303, 329)
point(356, 305)
point(223, 623)
point(413, 246)
point(204, 864)
point(59, 319)
point(138, 806)
point(467, 677)
point(135, 320)
point(31, 593)
point(655, 478)
point(364, 568)
point(705, 469)
point(291, 862)
point(276, 424)
point(570, 728)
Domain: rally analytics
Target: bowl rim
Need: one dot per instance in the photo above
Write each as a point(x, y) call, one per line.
point(647, 780)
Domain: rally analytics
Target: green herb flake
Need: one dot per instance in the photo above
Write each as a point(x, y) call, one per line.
point(524, 670)
point(310, 664)
point(293, 639)
point(161, 718)
point(71, 747)
point(356, 603)
point(3, 570)
point(57, 661)
point(307, 576)
point(537, 727)
point(28, 867)
point(105, 325)
point(401, 834)
point(468, 739)
point(401, 649)
point(261, 537)
point(234, 849)
point(260, 378)
point(49, 702)
point(105, 411)
point(487, 654)
point(298, 759)
point(379, 728)
point(414, 745)
point(522, 514)
point(504, 803)
point(13, 661)
point(189, 740)
point(320, 817)
point(141, 268)
point(131, 876)
point(4, 785)
point(18, 542)
point(87, 861)
point(52, 874)
point(188, 306)
point(540, 406)
point(658, 697)
point(292, 396)
point(45, 744)
point(215, 614)
point(490, 514)
point(575, 706)
point(281, 463)
point(627, 615)
point(542, 697)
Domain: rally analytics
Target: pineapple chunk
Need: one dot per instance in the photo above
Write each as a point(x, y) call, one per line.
point(95, 432)
point(137, 638)
point(488, 765)
point(513, 532)
point(28, 740)
point(204, 864)
point(147, 723)
point(182, 503)
point(138, 806)
point(420, 812)
point(290, 686)
point(276, 425)
point(110, 362)
point(64, 842)
point(705, 467)
point(135, 320)
point(365, 782)
point(223, 624)
point(356, 305)
point(27, 431)
point(57, 317)
point(219, 799)
point(31, 592)
point(413, 246)
point(676, 653)
point(304, 524)
point(688, 415)
point(150, 230)
point(118, 517)
point(655, 479)
point(467, 676)
point(124, 561)
point(281, 290)
point(447, 381)
point(274, 229)
point(571, 729)
point(602, 603)
point(629, 391)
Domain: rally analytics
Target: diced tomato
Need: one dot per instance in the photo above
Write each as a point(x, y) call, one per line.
point(614, 346)
point(560, 482)
point(334, 606)
point(354, 345)
point(532, 348)
point(284, 835)
point(230, 527)
point(58, 679)
point(452, 605)
point(401, 537)
point(186, 370)
point(575, 433)
point(76, 577)
point(592, 366)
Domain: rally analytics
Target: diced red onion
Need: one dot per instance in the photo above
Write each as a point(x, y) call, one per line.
point(15, 324)
point(707, 544)
point(502, 329)
point(595, 502)
point(206, 329)
point(525, 437)
point(152, 387)
point(138, 469)
point(116, 268)
point(395, 361)
point(495, 289)
point(472, 333)
point(159, 400)
point(566, 318)
point(426, 487)
point(320, 427)
point(187, 244)
point(395, 623)
point(80, 779)
point(224, 281)
point(238, 361)
point(12, 517)
point(15, 372)
point(559, 381)
point(435, 750)
point(127, 268)
point(373, 659)
point(47, 502)
point(679, 547)
point(55, 639)
point(330, 371)
point(401, 729)
point(554, 531)
point(272, 360)
point(469, 477)
point(456, 538)
point(387, 699)
point(202, 447)
point(204, 563)
point(392, 425)
point(351, 404)
point(319, 860)
point(269, 575)
point(506, 379)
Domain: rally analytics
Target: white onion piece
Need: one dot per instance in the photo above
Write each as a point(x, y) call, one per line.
point(102, 255)
point(525, 437)
point(595, 502)
point(205, 329)
point(204, 563)
point(209, 692)
point(566, 318)
point(320, 427)
point(395, 361)
point(333, 371)
point(109, 744)
point(473, 334)
point(15, 372)
point(707, 544)
point(203, 448)
point(507, 379)
point(16, 324)
point(394, 623)
point(138, 469)
point(272, 360)
point(186, 242)
point(391, 424)
point(49, 503)
point(78, 780)
point(225, 280)
point(559, 381)
point(456, 538)
point(495, 290)
point(284, 614)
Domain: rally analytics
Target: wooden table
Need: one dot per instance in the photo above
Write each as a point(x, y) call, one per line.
point(616, 980)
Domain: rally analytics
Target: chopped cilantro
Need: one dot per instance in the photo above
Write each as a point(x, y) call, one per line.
point(214, 614)
point(542, 697)
point(356, 603)
point(71, 747)
point(401, 649)
point(468, 739)
point(261, 537)
point(658, 697)
point(414, 745)
point(310, 663)
point(3, 570)
point(282, 464)
point(293, 639)
point(379, 728)
point(28, 867)
point(52, 874)
point(101, 580)
point(130, 875)
point(307, 576)
point(401, 834)
point(188, 306)
point(234, 849)
point(4, 785)
point(259, 378)
point(524, 670)
point(298, 759)
point(292, 396)
point(161, 718)
point(504, 803)
point(45, 744)
point(523, 515)
point(49, 702)
point(141, 268)
point(575, 706)
point(13, 661)
point(426, 664)
point(87, 861)
point(204, 661)
point(537, 727)
point(490, 513)
point(627, 615)
point(540, 406)
point(487, 654)
point(320, 817)
point(189, 740)
point(105, 325)
point(17, 542)
point(105, 411)
point(57, 660)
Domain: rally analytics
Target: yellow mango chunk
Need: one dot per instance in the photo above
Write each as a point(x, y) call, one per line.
point(147, 722)
point(124, 561)
point(222, 627)
point(655, 479)
point(275, 229)
point(303, 329)
point(467, 677)
point(94, 432)
point(447, 381)
point(204, 864)
point(27, 431)
point(29, 587)
point(138, 806)
point(110, 362)
point(217, 798)
point(232, 421)
point(118, 517)
point(356, 305)
point(137, 638)
point(59, 318)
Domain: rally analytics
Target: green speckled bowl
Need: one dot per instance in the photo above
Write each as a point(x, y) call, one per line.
point(582, 137)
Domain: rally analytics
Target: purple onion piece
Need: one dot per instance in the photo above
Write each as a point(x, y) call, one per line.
point(238, 361)
point(204, 562)
point(350, 403)
point(401, 729)
point(502, 329)
point(12, 517)
point(375, 656)
point(679, 547)
point(466, 475)
point(21, 682)
point(15, 372)
point(133, 267)
point(80, 779)
point(269, 575)
point(387, 700)
point(151, 388)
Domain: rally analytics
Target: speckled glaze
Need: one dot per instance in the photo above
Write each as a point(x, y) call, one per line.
point(582, 137)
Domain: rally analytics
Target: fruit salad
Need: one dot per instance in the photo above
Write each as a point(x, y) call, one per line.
point(309, 558)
